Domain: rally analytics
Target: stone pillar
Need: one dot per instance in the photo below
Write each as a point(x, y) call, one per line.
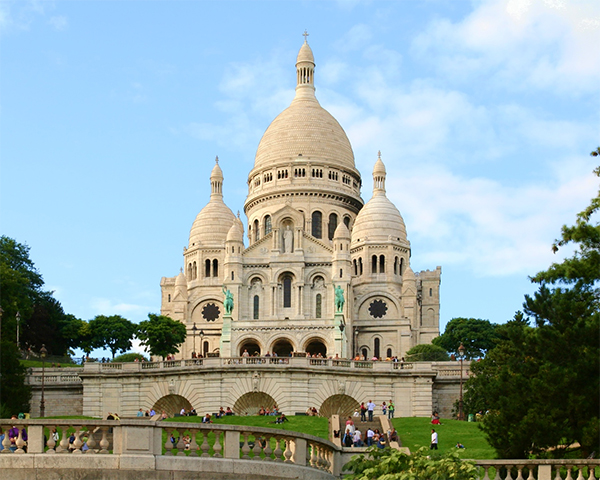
point(340, 341)
point(232, 444)
point(299, 451)
point(35, 438)
point(225, 343)
point(138, 445)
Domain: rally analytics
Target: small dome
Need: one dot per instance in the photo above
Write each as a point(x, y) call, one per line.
point(379, 220)
point(180, 280)
point(379, 168)
point(212, 224)
point(236, 232)
point(341, 231)
point(217, 173)
point(305, 54)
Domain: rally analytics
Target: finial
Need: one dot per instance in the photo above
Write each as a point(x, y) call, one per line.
point(238, 214)
point(217, 159)
point(180, 269)
point(305, 34)
point(379, 154)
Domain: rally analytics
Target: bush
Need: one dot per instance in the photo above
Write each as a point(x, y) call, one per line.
point(427, 353)
point(130, 357)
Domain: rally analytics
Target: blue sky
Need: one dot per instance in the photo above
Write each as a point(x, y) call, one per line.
point(112, 114)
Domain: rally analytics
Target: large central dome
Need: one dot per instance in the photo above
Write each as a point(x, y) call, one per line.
point(305, 129)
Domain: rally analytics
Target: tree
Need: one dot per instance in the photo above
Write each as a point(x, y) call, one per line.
point(427, 353)
point(161, 335)
point(478, 336)
point(114, 333)
point(541, 382)
point(392, 464)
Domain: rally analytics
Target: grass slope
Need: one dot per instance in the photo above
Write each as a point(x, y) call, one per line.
point(415, 432)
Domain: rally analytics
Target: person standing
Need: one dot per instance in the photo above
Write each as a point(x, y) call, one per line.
point(391, 408)
point(434, 440)
point(370, 409)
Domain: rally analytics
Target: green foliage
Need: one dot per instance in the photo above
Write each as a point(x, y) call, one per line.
point(114, 333)
point(541, 382)
point(427, 353)
point(130, 357)
point(391, 464)
point(477, 336)
point(161, 335)
point(14, 393)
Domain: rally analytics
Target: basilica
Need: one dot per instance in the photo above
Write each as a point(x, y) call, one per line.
point(322, 272)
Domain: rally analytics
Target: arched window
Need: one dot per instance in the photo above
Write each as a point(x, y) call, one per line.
point(396, 266)
point(364, 353)
point(205, 348)
point(207, 268)
point(333, 221)
point(401, 266)
point(232, 276)
point(355, 267)
point(215, 272)
point(189, 271)
point(382, 264)
point(341, 273)
point(374, 264)
point(376, 348)
point(287, 292)
point(431, 292)
point(360, 266)
point(267, 225)
point(347, 222)
point(389, 353)
point(318, 302)
point(169, 298)
point(256, 307)
point(256, 231)
point(317, 225)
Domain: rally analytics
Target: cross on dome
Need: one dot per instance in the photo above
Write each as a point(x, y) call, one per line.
point(305, 35)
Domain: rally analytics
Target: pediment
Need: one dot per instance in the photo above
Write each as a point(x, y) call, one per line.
point(287, 212)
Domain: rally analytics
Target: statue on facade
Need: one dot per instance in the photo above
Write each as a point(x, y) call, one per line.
point(339, 299)
point(228, 302)
point(288, 238)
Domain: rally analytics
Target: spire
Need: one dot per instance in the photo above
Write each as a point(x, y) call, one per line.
point(305, 67)
point(379, 176)
point(216, 180)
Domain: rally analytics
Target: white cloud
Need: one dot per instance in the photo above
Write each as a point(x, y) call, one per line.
point(59, 22)
point(551, 45)
point(105, 306)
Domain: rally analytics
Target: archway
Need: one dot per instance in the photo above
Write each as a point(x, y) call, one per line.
point(172, 404)
point(251, 346)
point(342, 405)
point(250, 403)
point(282, 348)
point(316, 347)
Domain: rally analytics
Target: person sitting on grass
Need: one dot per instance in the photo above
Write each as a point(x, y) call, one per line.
point(282, 418)
point(206, 418)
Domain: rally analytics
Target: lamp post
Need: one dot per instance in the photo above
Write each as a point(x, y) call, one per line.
point(18, 316)
point(202, 343)
point(194, 328)
point(356, 341)
point(461, 355)
point(43, 353)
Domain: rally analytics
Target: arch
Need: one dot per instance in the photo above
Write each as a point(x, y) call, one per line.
point(342, 405)
point(215, 264)
point(282, 347)
point(268, 224)
point(255, 307)
point(360, 266)
point(287, 291)
point(347, 221)
point(250, 403)
point(189, 271)
point(377, 347)
point(332, 225)
point(401, 266)
point(317, 224)
point(251, 345)
point(381, 263)
point(374, 264)
point(388, 353)
point(355, 267)
point(315, 346)
point(207, 268)
point(396, 266)
point(172, 404)
point(205, 347)
point(194, 271)
point(256, 231)
point(318, 305)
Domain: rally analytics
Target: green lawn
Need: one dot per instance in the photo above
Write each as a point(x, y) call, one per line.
point(38, 364)
point(317, 426)
point(416, 432)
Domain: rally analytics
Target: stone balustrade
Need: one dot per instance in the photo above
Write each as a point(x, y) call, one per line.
point(140, 448)
point(134, 445)
point(443, 369)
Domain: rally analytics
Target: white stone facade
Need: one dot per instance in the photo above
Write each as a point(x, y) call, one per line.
point(308, 232)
